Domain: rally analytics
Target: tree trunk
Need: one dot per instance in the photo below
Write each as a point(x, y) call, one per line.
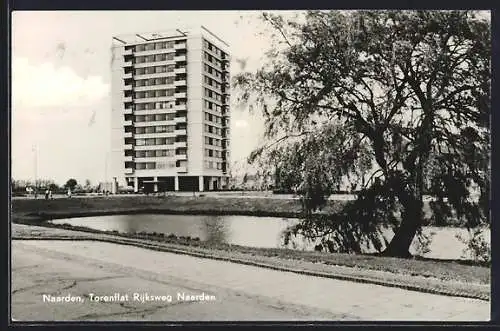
point(401, 242)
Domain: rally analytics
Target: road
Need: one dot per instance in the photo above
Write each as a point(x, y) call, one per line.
point(235, 292)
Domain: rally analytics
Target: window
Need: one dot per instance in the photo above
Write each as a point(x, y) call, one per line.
point(140, 166)
point(150, 165)
point(150, 153)
point(140, 153)
point(210, 141)
point(210, 153)
point(139, 130)
point(140, 142)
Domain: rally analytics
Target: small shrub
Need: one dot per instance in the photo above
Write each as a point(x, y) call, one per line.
point(477, 247)
point(423, 242)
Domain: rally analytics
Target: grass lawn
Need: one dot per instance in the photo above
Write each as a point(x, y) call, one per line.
point(36, 211)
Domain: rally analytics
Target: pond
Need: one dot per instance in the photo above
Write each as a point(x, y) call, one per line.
point(252, 231)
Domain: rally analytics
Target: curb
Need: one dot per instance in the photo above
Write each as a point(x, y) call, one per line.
point(357, 279)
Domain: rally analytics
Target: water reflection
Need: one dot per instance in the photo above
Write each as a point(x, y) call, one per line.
point(249, 231)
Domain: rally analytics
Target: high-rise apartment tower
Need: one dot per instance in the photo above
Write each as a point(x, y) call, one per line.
point(170, 111)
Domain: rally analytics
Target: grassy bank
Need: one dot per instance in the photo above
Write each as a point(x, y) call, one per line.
point(173, 205)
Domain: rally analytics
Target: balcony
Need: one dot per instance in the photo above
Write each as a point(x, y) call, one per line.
point(181, 119)
point(154, 99)
point(180, 144)
point(127, 134)
point(154, 135)
point(154, 63)
point(127, 64)
point(180, 82)
point(153, 51)
point(180, 58)
point(181, 95)
point(127, 52)
point(181, 157)
point(181, 132)
point(129, 171)
point(149, 123)
point(127, 75)
point(154, 75)
point(152, 112)
point(181, 169)
point(128, 111)
point(127, 123)
point(180, 70)
point(128, 158)
point(152, 87)
point(180, 107)
point(180, 46)
point(127, 99)
point(128, 146)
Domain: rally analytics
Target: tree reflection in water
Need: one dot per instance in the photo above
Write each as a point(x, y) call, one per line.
point(216, 229)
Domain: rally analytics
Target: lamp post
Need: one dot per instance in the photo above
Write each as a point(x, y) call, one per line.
point(35, 159)
point(106, 157)
point(106, 172)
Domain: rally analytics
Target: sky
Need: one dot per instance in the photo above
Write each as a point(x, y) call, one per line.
point(61, 75)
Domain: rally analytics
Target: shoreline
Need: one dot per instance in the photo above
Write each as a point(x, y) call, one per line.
point(173, 205)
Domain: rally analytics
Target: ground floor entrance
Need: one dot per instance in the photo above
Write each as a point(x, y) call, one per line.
point(177, 183)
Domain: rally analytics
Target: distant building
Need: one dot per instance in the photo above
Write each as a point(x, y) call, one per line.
point(170, 111)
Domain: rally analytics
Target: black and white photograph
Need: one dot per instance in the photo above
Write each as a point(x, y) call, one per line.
point(250, 165)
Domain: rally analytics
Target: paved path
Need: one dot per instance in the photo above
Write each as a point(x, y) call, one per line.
point(242, 292)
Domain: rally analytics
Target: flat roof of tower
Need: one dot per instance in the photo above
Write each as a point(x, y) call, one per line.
point(138, 38)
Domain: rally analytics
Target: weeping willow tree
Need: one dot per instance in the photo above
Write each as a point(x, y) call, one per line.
point(396, 103)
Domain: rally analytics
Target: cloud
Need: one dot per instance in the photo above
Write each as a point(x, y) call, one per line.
point(241, 123)
point(51, 108)
point(47, 85)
